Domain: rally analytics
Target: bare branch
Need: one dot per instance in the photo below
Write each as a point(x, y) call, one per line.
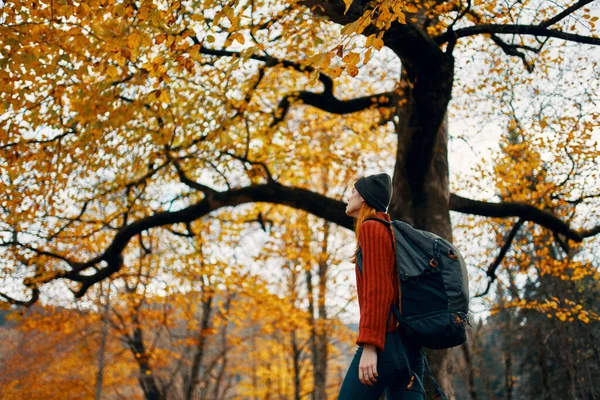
point(71, 131)
point(491, 271)
point(512, 50)
point(565, 13)
point(35, 294)
point(246, 160)
point(191, 183)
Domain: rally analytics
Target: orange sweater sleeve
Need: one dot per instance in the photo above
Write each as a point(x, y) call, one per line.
point(375, 284)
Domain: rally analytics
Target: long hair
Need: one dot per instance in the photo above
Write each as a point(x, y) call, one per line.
point(366, 211)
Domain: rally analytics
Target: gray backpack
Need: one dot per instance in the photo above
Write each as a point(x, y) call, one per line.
point(434, 287)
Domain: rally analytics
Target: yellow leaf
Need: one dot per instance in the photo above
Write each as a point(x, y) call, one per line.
point(143, 13)
point(133, 41)
point(363, 22)
point(411, 8)
point(351, 58)
point(194, 50)
point(238, 37)
point(146, 40)
point(337, 71)
point(164, 97)
point(350, 28)
point(83, 10)
point(368, 55)
point(348, 4)
point(323, 60)
point(352, 70)
point(401, 18)
point(112, 71)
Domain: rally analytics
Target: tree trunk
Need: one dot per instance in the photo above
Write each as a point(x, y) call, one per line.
point(543, 364)
point(296, 352)
point(102, 349)
point(192, 383)
point(470, 371)
point(146, 378)
point(424, 204)
point(218, 389)
point(321, 339)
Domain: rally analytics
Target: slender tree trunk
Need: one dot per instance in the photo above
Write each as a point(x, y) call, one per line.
point(320, 349)
point(254, 373)
point(223, 368)
point(570, 367)
point(470, 370)
point(486, 380)
point(508, 374)
point(543, 365)
point(146, 377)
point(296, 351)
point(192, 383)
point(102, 349)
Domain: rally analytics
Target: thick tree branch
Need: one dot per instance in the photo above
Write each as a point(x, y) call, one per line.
point(110, 261)
point(590, 232)
point(524, 211)
point(326, 101)
point(533, 30)
point(275, 193)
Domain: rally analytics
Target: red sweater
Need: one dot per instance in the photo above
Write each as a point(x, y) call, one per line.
point(377, 284)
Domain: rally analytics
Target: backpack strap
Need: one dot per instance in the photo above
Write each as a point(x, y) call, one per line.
point(397, 311)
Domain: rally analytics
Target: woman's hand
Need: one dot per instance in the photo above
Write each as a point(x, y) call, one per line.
point(367, 368)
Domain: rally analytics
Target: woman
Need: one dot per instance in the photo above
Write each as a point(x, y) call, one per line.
point(381, 361)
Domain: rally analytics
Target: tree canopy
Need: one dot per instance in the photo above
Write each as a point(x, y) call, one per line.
point(126, 119)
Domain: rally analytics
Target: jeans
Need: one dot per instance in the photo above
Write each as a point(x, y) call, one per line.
point(393, 372)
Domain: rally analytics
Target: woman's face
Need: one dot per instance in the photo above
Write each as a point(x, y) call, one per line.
point(354, 203)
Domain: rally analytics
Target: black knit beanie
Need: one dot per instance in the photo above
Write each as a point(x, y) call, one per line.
point(376, 190)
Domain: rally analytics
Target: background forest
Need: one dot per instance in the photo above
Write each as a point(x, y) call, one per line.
point(173, 176)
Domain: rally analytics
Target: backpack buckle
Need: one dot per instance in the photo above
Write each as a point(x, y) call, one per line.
point(452, 255)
